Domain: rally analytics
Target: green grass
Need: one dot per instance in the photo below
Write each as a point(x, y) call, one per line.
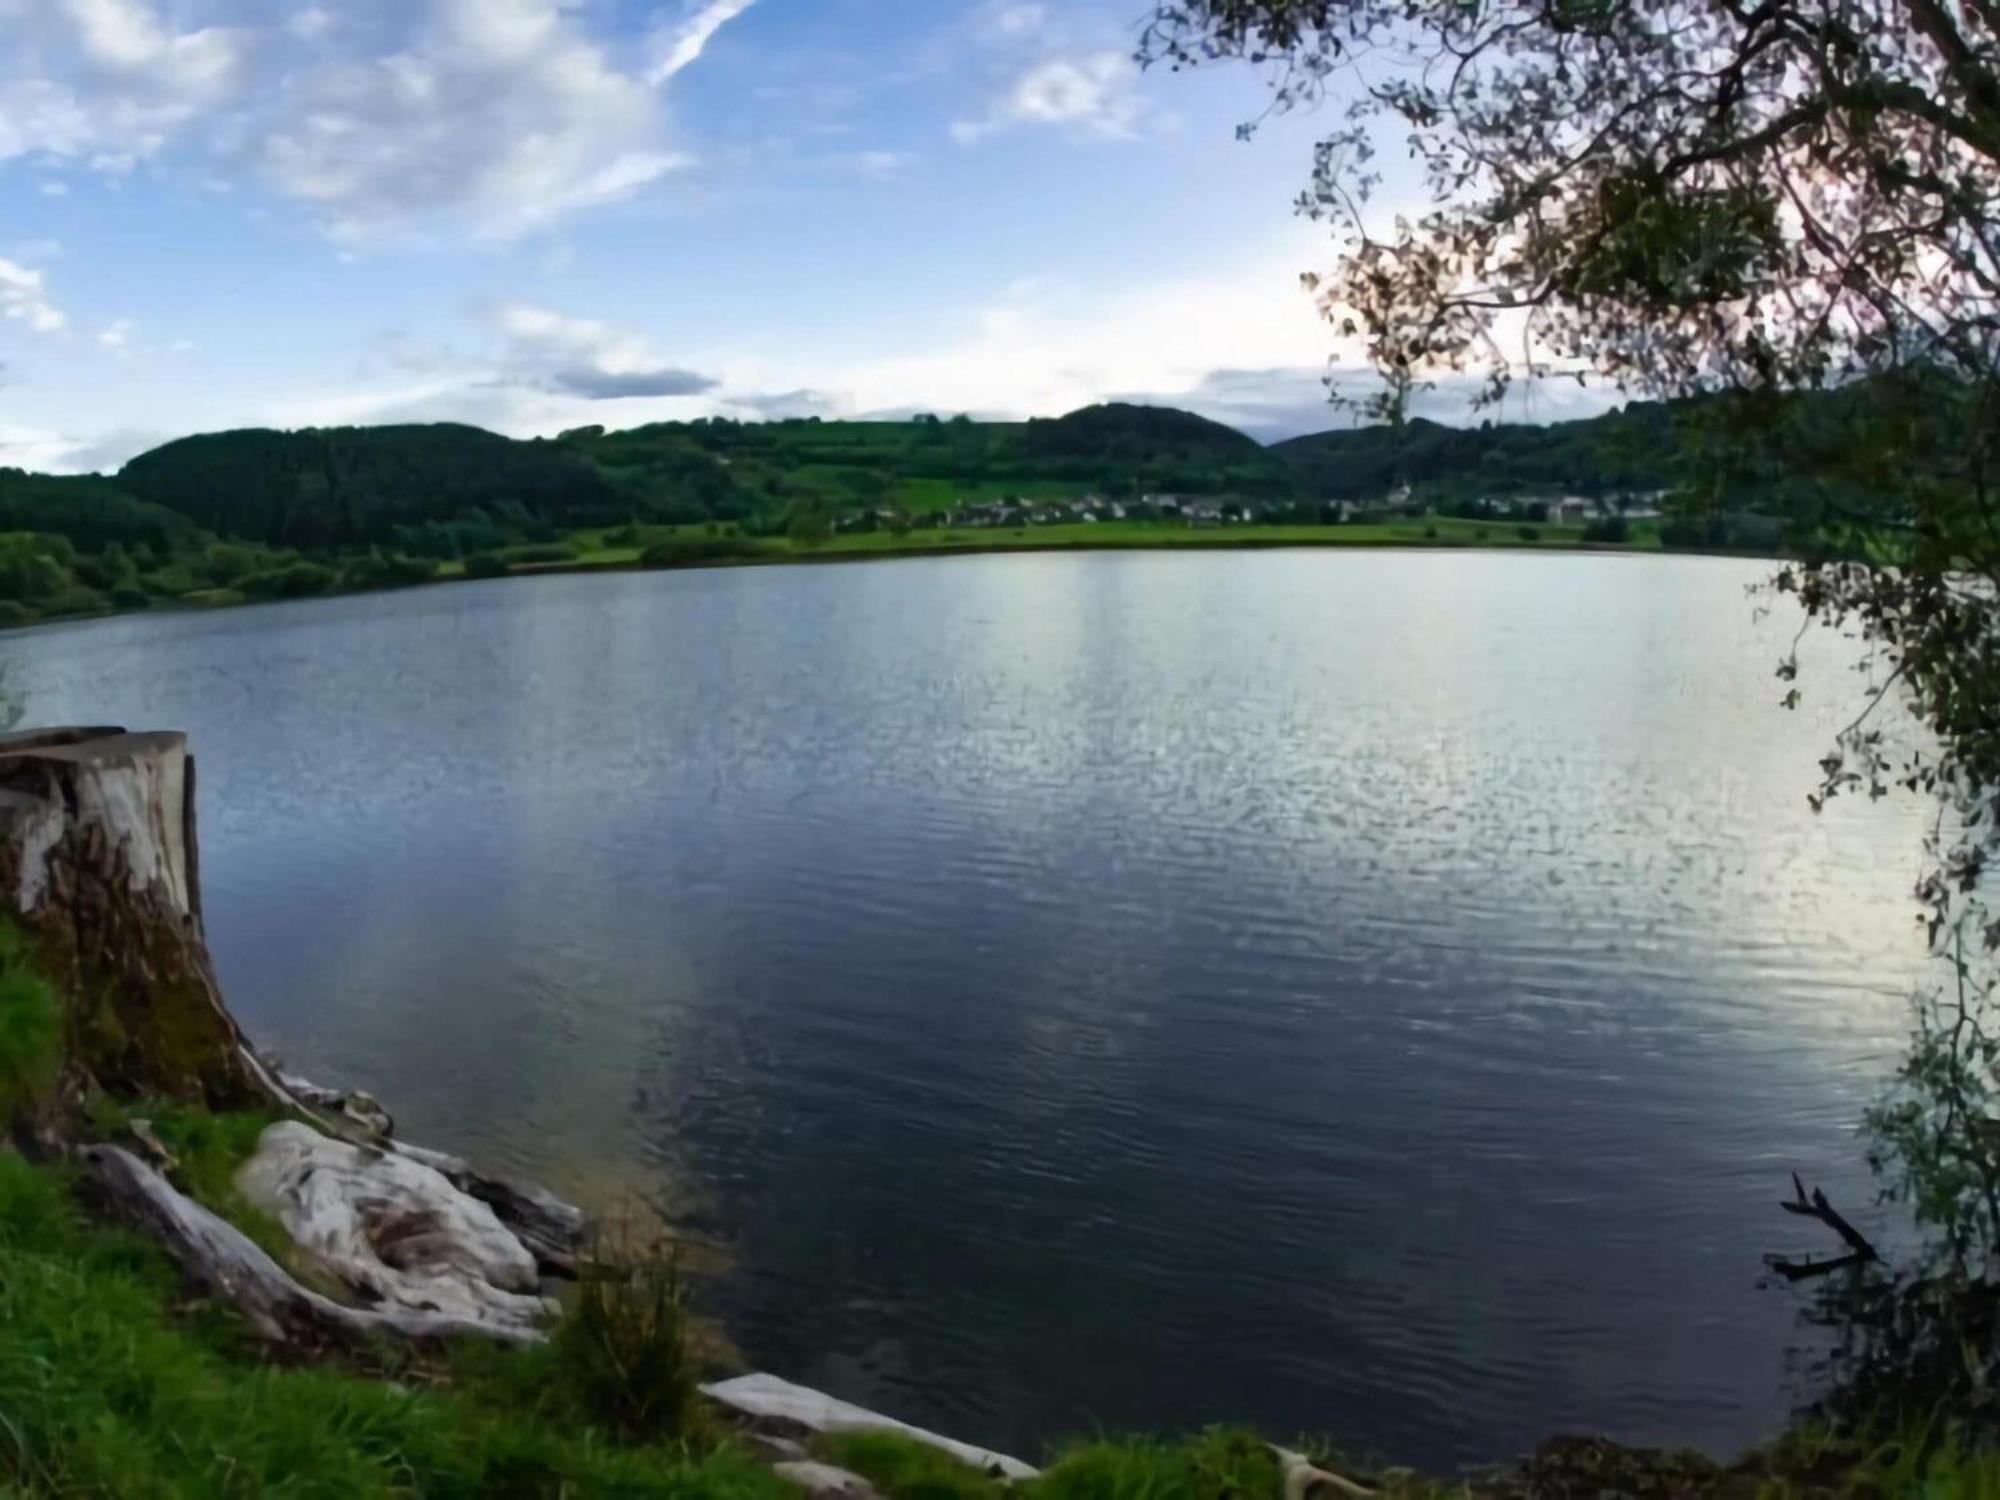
point(1227, 1463)
point(1223, 1463)
point(30, 1028)
point(103, 1391)
point(209, 1148)
point(111, 1385)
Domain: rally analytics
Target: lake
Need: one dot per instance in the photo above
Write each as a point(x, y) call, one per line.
point(1374, 994)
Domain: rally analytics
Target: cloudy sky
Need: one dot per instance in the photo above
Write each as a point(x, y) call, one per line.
point(532, 214)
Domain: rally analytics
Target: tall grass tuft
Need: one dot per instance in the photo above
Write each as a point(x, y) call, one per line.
point(624, 1342)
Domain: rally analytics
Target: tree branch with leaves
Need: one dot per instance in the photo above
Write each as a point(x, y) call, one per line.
point(1788, 210)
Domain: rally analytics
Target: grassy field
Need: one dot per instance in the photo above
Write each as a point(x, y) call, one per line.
point(592, 550)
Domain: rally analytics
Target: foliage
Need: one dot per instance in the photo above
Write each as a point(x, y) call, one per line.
point(376, 569)
point(30, 1026)
point(299, 580)
point(103, 1393)
point(623, 1342)
point(1607, 529)
point(89, 511)
point(809, 528)
point(1636, 449)
point(679, 551)
point(1787, 208)
point(904, 1469)
point(1223, 1463)
point(335, 486)
point(540, 552)
point(485, 565)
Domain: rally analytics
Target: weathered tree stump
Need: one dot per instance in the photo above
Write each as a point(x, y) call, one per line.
point(99, 865)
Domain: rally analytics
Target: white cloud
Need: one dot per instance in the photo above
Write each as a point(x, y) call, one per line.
point(876, 163)
point(683, 43)
point(1096, 93)
point(24, 299)
point(387, 119)
point(1041, 348)
point(46, 452)
point(1004, 22)
point(34, 448)
point(310, 24)
point(116, 336)
point(583, 357)
point(107, 83)
point(495, 115)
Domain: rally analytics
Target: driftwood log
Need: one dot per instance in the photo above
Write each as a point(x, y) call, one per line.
point(223, 1261)
point(100, 867)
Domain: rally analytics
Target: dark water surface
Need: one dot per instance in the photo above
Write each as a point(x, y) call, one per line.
point(1376, 994)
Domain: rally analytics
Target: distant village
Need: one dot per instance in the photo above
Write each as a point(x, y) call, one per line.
point(1209, 511)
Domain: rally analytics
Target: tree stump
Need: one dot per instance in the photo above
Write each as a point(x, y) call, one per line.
point(99, 867)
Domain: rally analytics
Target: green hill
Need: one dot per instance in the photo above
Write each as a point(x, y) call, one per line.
point(343, 486)
point(1636, 448)
point(91, 512)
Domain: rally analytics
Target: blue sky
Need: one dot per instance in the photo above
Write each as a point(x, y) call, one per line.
point(532, 214)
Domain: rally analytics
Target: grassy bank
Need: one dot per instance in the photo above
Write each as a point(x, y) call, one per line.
point(593, 548)
point(112, 1384)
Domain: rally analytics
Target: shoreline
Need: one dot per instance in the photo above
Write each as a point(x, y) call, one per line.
point(783, 554)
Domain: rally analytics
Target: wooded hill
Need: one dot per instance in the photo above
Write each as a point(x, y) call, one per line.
point(409, 486)
point(266, 513)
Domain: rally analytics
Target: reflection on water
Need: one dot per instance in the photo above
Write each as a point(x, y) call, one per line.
point(1377, 995)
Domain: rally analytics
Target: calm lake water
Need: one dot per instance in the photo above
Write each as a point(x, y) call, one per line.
point(1375, 994)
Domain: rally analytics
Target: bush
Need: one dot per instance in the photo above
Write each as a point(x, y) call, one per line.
point(809, 528)
point(98, 574)
point(623, 1342)
point(1607, 529)
point(485, 565)
point(379, 571)
point(679, 551)
point(73, 599)
point(224, 564)
point(541, 552)
point(1528, 533)
point(30, 1026)
point(13, 612)
point(301, 580)
point(129, 596)
point(1430, 533)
